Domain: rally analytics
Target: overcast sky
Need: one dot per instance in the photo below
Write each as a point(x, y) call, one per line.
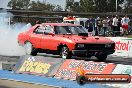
point(3, 3)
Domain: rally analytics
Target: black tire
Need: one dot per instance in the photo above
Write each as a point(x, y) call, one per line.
point(29, 50)
point(65, 53)
point(101, 57)
point(81, 80)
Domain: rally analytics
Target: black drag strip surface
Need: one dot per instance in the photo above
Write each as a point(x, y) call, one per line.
point(119, 60)
point(4, 87)
point(9, 58)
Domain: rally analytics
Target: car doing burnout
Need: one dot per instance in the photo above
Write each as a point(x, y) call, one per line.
point(66, 40)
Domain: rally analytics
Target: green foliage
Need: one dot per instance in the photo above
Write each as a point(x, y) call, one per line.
point(72, 6)
point(58, 8)
point(106, 5)
point(101, 6)
point(69, 5)
point(76, 7)
point(19, 4)
point(94, 5)
point(86, 5)
point(41, 6)
point(34, 5)
point(128, 6)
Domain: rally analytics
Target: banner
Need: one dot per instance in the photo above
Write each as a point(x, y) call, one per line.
point(123, 69)
point(123, 46)
point(68, 69)
point(38, 65)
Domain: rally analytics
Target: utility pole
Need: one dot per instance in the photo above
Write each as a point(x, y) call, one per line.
point(44, 1)
point(65, 5)
point(116, 5)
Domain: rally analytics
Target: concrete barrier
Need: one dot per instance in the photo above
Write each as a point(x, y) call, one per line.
point(68, 69)
point(38, 65)
point(123, 69)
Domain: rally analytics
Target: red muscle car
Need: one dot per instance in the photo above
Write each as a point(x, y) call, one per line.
point(66, 40)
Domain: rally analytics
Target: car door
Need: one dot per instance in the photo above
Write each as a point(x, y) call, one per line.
point(48, 40)
point(36, 36)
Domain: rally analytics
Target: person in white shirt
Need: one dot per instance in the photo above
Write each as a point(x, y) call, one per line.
point(114, 24)
point(125, 20)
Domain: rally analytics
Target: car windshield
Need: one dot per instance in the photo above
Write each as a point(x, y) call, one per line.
point(69, 30)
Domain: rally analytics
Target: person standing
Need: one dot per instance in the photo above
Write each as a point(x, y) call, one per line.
point(99, 25)
point(105, 26)
point(125, 20)
point(119, 25)
point(95, 27)
point(114, 24)
point(90, 28)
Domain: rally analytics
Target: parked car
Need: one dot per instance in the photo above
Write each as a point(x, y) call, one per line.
point(66, 40)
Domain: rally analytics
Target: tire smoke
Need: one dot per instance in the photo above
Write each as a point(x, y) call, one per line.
point(8, 38)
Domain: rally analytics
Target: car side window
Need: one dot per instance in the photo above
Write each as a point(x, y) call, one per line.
point(62, 30)
point(48, 29)
point(39, 30)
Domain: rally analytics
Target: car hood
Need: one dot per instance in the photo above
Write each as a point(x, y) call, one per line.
point(89, 39)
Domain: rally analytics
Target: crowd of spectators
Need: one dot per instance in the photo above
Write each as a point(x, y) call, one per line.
point(109, 26)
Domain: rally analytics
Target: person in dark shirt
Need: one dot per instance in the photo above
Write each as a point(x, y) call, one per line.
point(90, 25)
point(118, 26)
point(99, 24)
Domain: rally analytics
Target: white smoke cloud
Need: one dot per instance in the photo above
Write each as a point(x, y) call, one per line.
point(8, 37)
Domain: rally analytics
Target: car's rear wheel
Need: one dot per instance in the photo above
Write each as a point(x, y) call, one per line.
point(29, 49)
point(65, 53)
point(101, 57)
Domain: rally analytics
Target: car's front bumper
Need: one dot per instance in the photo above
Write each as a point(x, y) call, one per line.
point(91, 52)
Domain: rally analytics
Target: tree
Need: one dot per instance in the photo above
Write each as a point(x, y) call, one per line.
point(58, 8)
point(69, 4)
point(95, 5)
point(107, 5)
point(76, 7)
point(41, 6)
point(100, 6)
point(127, 6)
point(87, 5)
point(19, 4)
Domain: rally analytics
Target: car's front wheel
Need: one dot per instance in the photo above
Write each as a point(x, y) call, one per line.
point(29, 50)
point(101, 57)
point(65, 53)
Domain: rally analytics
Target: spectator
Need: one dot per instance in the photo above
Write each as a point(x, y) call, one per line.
point(99, 24)
point(110, 23)
point(109, 20)
point(125, 20)
point(90, 28)
point(105, 25)
point(114, 24)
point(119, 25)
point(95, 27)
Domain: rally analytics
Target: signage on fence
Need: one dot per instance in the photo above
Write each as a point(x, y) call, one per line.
point(123, 69)
point(123, 46)
point(38, 65)
point(68, 69)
